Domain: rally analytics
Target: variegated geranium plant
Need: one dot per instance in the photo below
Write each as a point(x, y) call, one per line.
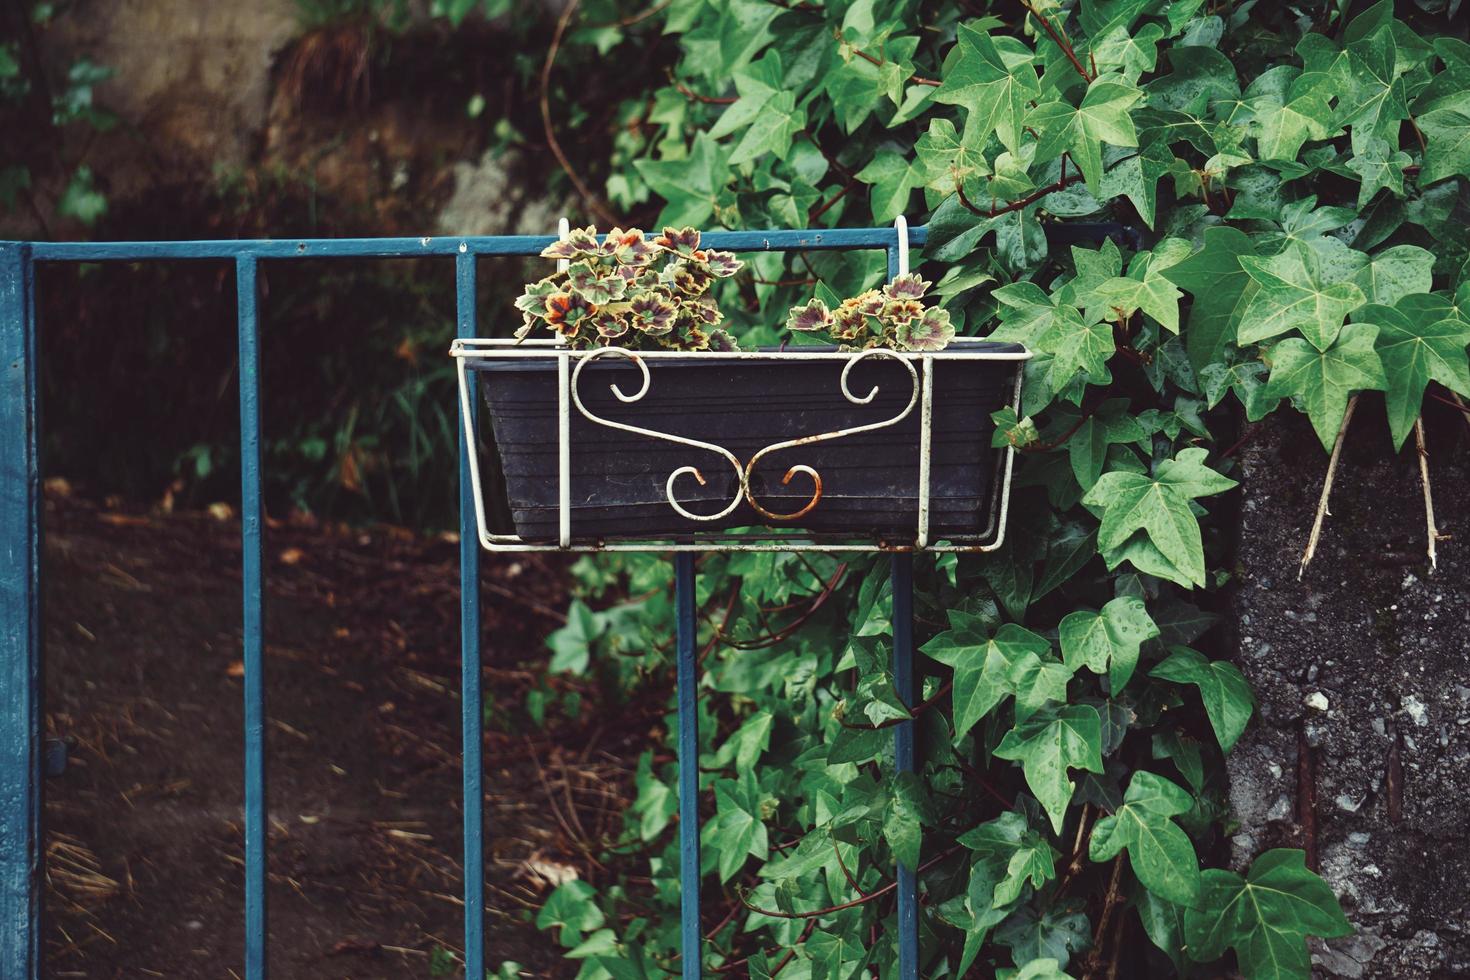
point(614, 293)
point(894, 317)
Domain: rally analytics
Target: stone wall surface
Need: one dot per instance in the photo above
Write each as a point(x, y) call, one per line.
point(192, 80)
point(202, 92)
point(1361, 749)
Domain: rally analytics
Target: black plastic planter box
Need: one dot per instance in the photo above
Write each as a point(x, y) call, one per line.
point(870, 480)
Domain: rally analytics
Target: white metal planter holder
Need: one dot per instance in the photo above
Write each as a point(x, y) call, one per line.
point(570, 365)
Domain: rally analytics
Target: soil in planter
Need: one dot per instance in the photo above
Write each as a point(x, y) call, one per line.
point(869, 480)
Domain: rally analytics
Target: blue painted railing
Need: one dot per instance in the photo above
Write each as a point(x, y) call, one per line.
point(20, 577)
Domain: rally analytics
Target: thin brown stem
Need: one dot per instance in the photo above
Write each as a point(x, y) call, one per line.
point(1322, 509)
point(917, 710)
point(829, 910)
point(822, 208)
point(566, 165)
point(1066, 180)
point(845, 873)
point(1430, 528)
point(1060, 38)
point(916, 79)
point(632, 19)
point(1109, 903)
point(694, 96)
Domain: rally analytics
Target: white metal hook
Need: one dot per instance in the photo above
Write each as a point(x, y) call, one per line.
point(901, 226)
point(563, 229)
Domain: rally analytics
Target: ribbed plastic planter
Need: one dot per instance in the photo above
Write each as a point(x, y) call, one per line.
point(865, 483)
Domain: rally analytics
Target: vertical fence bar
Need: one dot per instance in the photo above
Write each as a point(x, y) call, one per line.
point(253, 654)
point(901, 577)
point(20, 631)
point(471, 718)
point(691, 953)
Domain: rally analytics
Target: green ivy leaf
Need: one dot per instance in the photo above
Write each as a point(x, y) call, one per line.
point(948, 157)
point(1226, 695)
point(738, 831)
point(907, 810)
point(1163, 923)
point(1159, 506)
point(1102, 117)
point(1148, 291)
point(572, 910)
point(694, 186)
point(993, 89)
point(1087, 447)
point(893, 178)
point(772, 131)
point(1319, 382)
point(1017, 855)
point(1416, 350)
point(1379, 166)
point(1043, 969)
point(1050, 326)
point(983, 668)
point(1295, 293)
point(81, 199)
point(1107, 641)
point(756, 83)
point(1048, 744)
point(1051, 936)
point(1283, 121)
point(1446, 130)
point(1390, 275)
point(1160, 853)
point(1221, 289)
point(571, 646)
point(1265, 916)
point(1375, 101)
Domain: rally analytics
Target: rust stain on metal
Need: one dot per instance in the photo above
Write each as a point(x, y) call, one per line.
point(786, 481)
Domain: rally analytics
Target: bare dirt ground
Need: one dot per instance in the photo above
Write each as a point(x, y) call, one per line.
point(1359, 753)
point(144, 851)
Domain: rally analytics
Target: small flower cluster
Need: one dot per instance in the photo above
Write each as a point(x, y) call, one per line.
point(894, 317)
point(612, 294)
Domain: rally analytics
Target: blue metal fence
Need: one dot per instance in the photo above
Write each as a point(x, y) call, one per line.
point(20, 571)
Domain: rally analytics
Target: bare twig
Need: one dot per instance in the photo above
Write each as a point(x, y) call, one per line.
point(632, 19)
point(916, 79)
point(822, 208)
point(1430, 529)
point(694, 96)
point(845, 873)
point(863, 900)
point(1456, 402)
point(566, 165)
point(1109, 903)
point(914, 712)
point(1066, 181)
point(1322, 510)
point(1055, 33)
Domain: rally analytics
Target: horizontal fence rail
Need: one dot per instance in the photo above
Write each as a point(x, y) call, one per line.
point(20, 577)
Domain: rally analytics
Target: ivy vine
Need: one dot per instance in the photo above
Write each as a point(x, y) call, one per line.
point(1196, 213)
